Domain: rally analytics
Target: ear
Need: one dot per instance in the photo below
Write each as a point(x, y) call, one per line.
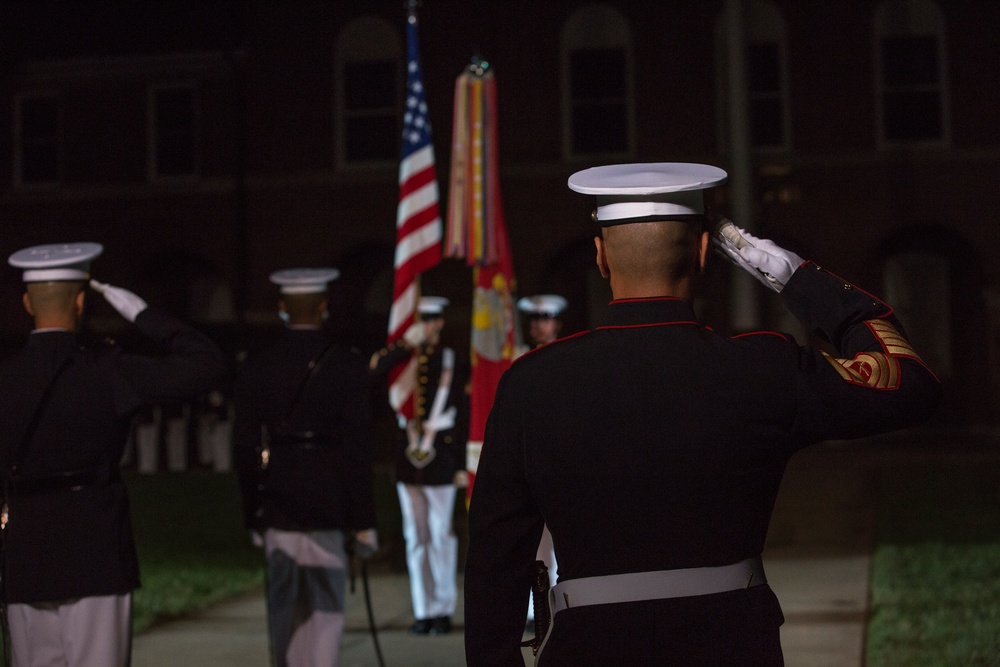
point(26, 301)
point(80, 299)
point(702, 250)
point(602, 260)
point(281, 306)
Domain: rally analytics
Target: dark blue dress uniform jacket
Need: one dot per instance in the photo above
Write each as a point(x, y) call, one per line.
point(449, 444)
point(654, 443)
point(66, 543)
point(320, 487)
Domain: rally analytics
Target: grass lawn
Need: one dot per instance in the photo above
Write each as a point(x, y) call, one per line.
point(193, 550)
point(936, 567)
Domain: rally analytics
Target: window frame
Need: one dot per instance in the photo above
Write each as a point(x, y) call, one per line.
point(367, 38)
point(763, 23)
point(910, 18)
point(596, 26)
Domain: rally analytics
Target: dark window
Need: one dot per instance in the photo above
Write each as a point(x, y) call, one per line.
point(909, 61)
point(176, 131)
point(764, 67)
point(767, 116)
point(371, 120)
point(911, 88)
point(598, 90)
point(39, 140)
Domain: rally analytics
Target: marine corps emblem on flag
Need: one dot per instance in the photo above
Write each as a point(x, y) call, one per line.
point(492, 322)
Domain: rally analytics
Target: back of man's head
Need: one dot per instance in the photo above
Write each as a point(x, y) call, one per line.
point(304, 308)
point(55, 303)
point(664, 253)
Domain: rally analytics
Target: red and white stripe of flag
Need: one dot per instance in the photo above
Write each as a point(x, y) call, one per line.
point(418, 248)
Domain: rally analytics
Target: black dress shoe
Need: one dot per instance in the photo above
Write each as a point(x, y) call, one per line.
point(440, 625)
point(423, 626)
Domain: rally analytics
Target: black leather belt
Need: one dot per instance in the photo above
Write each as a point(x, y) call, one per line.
point(72, 479)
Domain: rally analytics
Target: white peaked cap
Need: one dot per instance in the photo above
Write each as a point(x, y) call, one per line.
point(648, 190)
point(432, 305)
point(542, 304)
point(56, 261)
point(304, 281)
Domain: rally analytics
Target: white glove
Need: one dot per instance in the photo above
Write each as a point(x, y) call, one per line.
point(125, 302)
point(766, 261)
point(257, 539)
point(442, 422)
point(416, 334)
point(367, 542)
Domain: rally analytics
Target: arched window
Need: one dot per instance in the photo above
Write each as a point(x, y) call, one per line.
point(368, 89)
point(910, 73)
point(597, 84)
point(766, 41)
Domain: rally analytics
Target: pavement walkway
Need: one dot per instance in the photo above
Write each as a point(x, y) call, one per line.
point(817, 559)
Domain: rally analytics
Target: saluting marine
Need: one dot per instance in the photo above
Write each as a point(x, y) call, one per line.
point(303, 453)
point(430, 464)
point(69, 561)
point(669, 441)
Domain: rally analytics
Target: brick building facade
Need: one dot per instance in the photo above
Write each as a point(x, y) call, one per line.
point(208, 144)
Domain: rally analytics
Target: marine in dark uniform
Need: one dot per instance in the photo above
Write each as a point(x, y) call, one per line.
point(302, 449)
point(653, 448)
point(69, 561)
point(544, 314)
point(430, 465)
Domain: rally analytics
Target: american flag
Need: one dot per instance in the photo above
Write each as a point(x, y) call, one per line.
point(418, 221)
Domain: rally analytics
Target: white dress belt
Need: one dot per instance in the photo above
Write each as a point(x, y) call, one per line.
point(657, 585)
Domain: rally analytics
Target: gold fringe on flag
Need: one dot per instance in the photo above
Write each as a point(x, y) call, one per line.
point(474, 185)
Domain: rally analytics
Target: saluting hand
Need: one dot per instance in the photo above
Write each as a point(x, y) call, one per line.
point(415, 334)
point(765, 260)
point(126, 303)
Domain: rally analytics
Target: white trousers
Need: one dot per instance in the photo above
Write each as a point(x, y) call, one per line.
point(306, 575)
point(431, 547)
point(546, 554)
point(82, 632)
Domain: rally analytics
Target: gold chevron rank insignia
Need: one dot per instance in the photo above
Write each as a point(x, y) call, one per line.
point(878, 370)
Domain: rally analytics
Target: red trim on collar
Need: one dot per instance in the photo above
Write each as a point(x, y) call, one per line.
point(647, 324)
point(640, 299)
point(760, 333)
point(557, 340)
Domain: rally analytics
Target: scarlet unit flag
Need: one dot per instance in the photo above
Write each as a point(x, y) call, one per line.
point(418, 221)
point(476, 231)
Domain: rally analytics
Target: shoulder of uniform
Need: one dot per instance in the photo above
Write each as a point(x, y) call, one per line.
point(557, 344)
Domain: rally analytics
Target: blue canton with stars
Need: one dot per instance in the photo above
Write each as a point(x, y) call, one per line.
point(416, 126)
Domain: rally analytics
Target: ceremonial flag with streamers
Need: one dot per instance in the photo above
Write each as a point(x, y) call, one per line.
point(418, 222)
point(476, 231)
